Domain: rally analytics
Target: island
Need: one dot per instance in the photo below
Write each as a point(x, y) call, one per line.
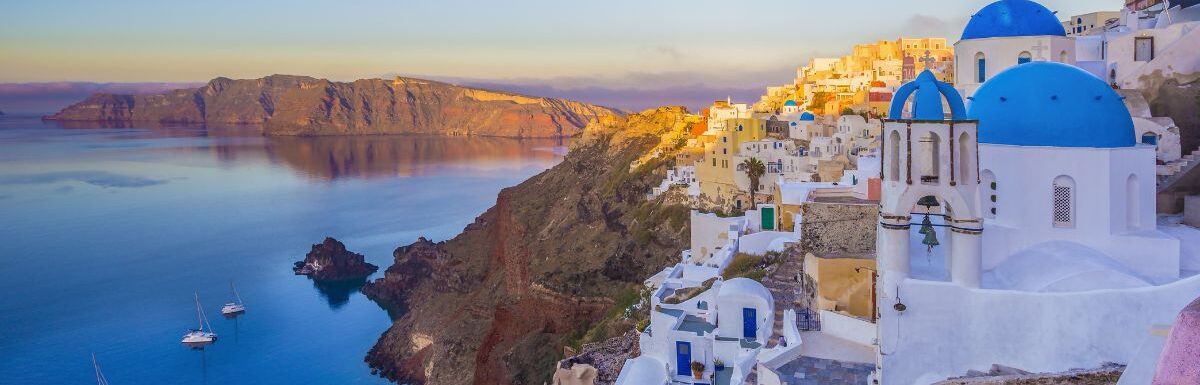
point(306, 106)
point(330, 261)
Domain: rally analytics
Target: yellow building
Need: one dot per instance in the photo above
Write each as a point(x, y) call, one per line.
point(828, 85)
point(845, 283)
point(716, 172)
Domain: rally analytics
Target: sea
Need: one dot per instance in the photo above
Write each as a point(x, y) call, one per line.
point(108, 233)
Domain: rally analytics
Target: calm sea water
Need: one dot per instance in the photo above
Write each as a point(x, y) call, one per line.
point(106, 233)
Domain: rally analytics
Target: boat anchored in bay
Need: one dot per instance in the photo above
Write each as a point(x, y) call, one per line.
point(236, 307)
point(202, 335)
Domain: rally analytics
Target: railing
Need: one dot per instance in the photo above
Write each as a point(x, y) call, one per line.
point(808, 320)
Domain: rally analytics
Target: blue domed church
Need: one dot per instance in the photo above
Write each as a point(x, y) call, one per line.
point(1007, 33)
point(1017, 220)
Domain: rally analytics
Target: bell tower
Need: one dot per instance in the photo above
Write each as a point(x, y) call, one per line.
point(930, 158)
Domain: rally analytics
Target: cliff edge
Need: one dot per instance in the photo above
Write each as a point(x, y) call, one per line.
point(550, 265)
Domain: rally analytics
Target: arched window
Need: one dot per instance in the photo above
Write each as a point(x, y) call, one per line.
point(980, 68)
point(1132, 208)
point(931, 168)
point(989, 192)
point(965, 160)
point(1064, 202)
point(1024, 57)
point(894, 151)
point(1062, 56)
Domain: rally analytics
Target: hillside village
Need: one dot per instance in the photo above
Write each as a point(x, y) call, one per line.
point(1019, 205)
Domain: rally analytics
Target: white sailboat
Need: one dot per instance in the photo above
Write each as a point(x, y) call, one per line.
point(100, 380)
point(234, 307)
point(204, 333)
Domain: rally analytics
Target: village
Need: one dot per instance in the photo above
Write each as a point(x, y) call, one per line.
point(922, 212)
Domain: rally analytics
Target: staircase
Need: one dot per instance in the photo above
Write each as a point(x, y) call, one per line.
point(1172, 172)
point(784, 285)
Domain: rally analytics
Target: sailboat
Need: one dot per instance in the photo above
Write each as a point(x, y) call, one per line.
point(202, 335)
point(100, 380)
point(234, 307)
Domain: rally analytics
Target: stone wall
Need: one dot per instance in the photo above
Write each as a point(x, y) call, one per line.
point(838, 228)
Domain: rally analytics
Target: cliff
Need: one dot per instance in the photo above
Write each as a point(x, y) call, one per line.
point(299, 105)
point(550, 265)
point(330, 261)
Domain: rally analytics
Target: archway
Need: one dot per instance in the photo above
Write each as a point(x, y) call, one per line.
point(931, 158)
point(1024, 57)
point(894, 150)
point(965, 165)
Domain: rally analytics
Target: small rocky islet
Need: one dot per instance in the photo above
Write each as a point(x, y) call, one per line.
point(330, 261)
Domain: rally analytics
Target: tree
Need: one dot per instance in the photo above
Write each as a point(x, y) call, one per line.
point(755, 170)
point(848, 111)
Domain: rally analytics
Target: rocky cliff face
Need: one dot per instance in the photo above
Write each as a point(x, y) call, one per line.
point(298, 105)
point(497, 303)
point(330, 261)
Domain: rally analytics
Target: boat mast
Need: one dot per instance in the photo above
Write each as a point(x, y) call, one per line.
point(199, 314)
point(205, 318)
point(100, 380)
point(235, 293)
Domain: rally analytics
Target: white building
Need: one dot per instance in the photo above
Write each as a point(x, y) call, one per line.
point(855, 133)
point(730, 322)
point(1046, 253)
point(782, 159)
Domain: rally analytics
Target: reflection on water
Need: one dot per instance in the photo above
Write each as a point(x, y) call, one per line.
point(401, 155)
point(337, 293)
point(108, 232)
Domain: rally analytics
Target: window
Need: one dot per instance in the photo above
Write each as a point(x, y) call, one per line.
point(1143, 49)
point(1025, 57)
point(980, 68)
point(988, 179)
point(1064, 201)
point(1063, 56)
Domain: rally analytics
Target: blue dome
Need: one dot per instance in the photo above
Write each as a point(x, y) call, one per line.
point(807, 117)
point(789, 103)
point(1051, 104)
point(927, 93)
point(1009, 18)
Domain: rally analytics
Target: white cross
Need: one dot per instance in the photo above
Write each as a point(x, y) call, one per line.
point(928, 59)
point(1039, 48)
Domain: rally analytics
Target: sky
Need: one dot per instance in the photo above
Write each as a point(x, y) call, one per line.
point(643, 46)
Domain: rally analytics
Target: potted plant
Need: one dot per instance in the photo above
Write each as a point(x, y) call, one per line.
point(718, 365)
point(697, 369)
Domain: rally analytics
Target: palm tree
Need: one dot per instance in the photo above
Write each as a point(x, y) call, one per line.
point(755, 170)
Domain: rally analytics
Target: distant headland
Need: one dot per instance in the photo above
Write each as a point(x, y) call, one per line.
point(306, 106)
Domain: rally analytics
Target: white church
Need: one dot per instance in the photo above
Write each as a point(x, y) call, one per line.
point(1018, 228)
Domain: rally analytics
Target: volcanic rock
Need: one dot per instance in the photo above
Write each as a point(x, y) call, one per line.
point(330, 261)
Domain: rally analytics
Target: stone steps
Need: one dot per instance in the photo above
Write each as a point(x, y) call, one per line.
point(783, 285)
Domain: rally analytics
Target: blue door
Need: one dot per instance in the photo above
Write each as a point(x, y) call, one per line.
point(749, 325)
point(683, 358)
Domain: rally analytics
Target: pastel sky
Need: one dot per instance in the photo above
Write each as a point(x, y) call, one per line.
point(575, 43)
